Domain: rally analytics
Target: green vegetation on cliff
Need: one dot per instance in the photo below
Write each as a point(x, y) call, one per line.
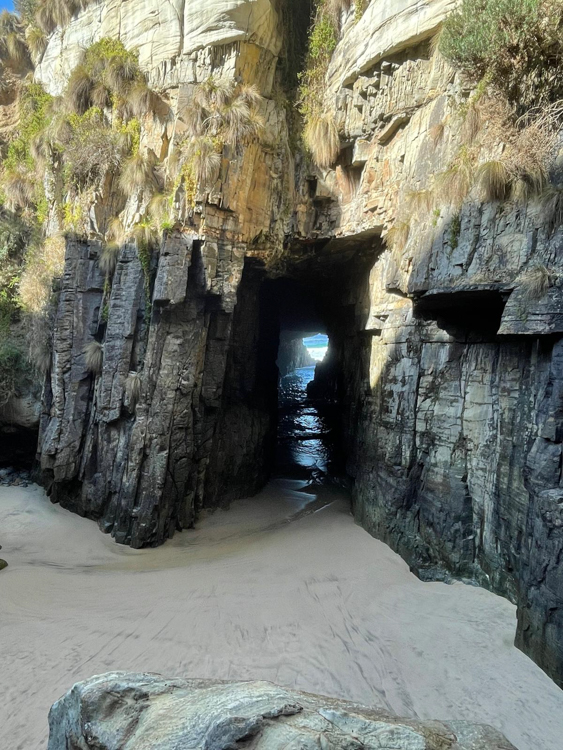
point(516, 44)
point(320, 133)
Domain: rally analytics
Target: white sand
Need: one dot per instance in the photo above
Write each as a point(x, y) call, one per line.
point(308, 600)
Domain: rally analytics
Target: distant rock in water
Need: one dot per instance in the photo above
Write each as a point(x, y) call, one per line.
point(121, 711)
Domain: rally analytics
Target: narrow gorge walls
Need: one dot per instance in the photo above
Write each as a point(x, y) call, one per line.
point(442, 299)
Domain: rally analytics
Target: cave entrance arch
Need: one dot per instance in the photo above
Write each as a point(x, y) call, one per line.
point(323, 289)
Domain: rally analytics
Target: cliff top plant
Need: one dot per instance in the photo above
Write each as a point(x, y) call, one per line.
point(13, 48)
point(517, 44)
point(48, 14)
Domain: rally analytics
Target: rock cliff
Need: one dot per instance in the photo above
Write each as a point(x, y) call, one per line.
point(121, 710)
point(446, 365)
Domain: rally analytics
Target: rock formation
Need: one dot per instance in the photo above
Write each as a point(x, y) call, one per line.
point(446, 365)
point(126, 711)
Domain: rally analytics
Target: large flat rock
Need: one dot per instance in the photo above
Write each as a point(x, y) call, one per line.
point(121, 711)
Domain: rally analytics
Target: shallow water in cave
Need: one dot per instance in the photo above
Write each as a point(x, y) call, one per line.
point(308, 444)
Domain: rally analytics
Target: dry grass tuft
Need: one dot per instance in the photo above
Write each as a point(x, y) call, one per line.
point(472, 122)
point(138, 174)
point(397, 237)
point(494, 180)
point(18, 187)
point(116, 232)
point(44, 263)
point(94, 357)
point(420, 202)
point(108, 258)
point(535, 282)
point(78, 94)
point(202, 156)
point(454, 185)
point(36, 41)
point(322, 139)
point(133, 389)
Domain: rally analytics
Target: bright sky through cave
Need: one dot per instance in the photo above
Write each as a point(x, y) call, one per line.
point(317, 346)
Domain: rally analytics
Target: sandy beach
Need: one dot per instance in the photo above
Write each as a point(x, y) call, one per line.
point(283, 587)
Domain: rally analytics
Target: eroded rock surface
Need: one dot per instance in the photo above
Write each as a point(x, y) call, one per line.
point(121, 711)
point(448, 371)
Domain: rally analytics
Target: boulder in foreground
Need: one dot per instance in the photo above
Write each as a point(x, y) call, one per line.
point(122, 711)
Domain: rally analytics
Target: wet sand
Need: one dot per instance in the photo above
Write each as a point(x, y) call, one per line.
point(283, 587)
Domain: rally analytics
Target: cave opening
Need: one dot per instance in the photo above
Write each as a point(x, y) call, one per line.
point(307, 436)
point(281, 415)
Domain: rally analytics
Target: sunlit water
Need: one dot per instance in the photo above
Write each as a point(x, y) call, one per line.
point(317, 346)
point(305, 430)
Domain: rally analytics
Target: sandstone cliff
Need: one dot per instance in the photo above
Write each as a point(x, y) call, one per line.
point(448, 370)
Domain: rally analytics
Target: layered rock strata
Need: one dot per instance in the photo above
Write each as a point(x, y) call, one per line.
point(447, 369)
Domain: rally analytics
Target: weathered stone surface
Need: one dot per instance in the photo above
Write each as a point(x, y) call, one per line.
point(164, 33)
point(449, 376)
point(121, 711)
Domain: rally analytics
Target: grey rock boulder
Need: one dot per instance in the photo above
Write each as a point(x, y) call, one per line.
point(122, 711)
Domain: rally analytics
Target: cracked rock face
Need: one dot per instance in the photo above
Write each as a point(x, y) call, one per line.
point(121, 711)
point(450, 371)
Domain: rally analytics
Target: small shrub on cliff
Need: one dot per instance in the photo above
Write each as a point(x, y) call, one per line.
point(517, 44)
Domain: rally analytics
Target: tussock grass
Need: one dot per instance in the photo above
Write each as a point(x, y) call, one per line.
point(43, 265)
point(78, 94)
point(94, 357)
point(14, 52)
point(534, 283)
point(321, 138)
point(52, 13)
point(36, 41)
point(138, 174)
point(494, 180)
point(420, 202)
point(108, 258)
point(18, 186)
point(220, 113)
point(133, 389)
point(454, 185)
point(116, 232)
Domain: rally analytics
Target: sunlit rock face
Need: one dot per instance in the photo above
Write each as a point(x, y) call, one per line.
point(167, 34)
point(448, 373)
